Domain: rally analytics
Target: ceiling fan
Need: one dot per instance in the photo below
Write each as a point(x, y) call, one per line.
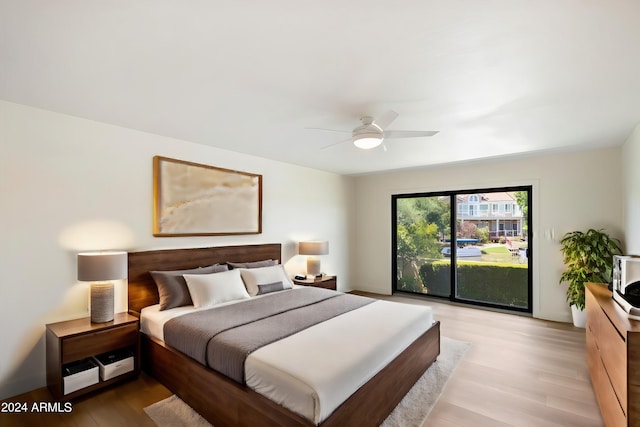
point(373, 131)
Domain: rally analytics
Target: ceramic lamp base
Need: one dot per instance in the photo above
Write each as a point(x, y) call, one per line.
point(313, 266)
point(102, 302)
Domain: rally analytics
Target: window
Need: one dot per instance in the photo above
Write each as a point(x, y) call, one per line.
point(441, 248)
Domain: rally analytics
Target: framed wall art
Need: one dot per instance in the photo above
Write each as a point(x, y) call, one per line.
point(191, 199)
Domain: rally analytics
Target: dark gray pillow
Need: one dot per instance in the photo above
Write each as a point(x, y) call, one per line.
point(172, 287)
point(270, 287)
point(254, 264)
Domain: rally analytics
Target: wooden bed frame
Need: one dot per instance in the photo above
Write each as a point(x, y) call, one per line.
point(224, 402)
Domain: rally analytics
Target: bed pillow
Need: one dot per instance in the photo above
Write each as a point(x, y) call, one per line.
point(270, 287)
point(253, 277)
point(254, 264)
point(172, 288)
point(210, 289)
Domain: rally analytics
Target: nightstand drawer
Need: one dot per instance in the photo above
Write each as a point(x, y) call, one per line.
point(85, 345)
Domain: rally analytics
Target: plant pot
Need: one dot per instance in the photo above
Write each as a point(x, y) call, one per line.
point(579, 317)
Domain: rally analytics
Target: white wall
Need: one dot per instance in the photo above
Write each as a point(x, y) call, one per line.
point(571, 191)
point(631, 189)
point(68, 184)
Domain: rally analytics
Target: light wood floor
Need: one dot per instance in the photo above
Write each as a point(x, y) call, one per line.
point(120, 405)
point(519, 372)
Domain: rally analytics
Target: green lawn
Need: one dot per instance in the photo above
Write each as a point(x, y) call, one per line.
point(496, 250)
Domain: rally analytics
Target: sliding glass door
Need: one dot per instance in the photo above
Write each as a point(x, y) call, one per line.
point(485, 261)
point(422, 223)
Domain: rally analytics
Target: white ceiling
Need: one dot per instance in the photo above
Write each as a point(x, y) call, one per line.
point(496, 78)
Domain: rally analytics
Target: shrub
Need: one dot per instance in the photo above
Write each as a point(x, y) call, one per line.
point(499, 283)
point(483, 234)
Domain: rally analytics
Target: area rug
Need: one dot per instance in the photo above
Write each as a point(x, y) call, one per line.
point(410, 412)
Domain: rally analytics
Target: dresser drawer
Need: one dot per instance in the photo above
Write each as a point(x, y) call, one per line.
point(614, 360)
point(612, 350)
point(92, 343)
point(610, 408)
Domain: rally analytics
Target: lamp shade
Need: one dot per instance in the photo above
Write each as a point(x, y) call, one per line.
point(313, 248)
point(101, 266)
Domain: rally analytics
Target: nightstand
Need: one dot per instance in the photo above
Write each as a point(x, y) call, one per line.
point(327, 282)
point(70, 342)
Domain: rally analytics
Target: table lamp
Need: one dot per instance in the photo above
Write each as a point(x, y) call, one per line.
point(313, 248)
point(99, 268)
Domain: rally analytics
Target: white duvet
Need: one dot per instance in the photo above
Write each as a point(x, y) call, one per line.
point(314, 371)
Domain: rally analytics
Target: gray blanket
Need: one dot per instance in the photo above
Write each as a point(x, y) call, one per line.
point(223, 337)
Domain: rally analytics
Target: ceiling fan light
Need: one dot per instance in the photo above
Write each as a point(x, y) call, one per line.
point(367, 142)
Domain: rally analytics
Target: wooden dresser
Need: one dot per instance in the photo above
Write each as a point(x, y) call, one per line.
point(613, 355)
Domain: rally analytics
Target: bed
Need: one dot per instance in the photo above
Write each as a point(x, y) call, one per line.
point(225, 402)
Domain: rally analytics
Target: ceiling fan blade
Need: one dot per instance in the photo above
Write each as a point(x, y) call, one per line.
point(330, 130)
point(408, 133)
point(335, 143)
point(386, 119)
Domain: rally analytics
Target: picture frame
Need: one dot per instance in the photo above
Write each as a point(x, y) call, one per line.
point(192, 199)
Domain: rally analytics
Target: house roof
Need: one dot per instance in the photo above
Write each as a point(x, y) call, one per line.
point(493, 197)
point(500, 196)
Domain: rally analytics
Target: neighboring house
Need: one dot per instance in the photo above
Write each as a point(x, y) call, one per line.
point(498, 211)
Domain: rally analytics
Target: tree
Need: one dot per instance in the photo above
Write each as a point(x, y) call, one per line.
point(467, 230)
point(522, 198)
point(482, 233)
point(420, 222)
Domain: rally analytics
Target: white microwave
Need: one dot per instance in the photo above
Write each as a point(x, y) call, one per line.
point(626, 273)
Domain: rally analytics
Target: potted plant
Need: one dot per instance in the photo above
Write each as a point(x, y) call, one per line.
point(588, 258)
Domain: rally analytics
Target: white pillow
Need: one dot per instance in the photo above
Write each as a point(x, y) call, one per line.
point(253, 277)
point(210, 289)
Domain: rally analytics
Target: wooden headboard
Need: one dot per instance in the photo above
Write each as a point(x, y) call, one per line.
point(142, 289)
